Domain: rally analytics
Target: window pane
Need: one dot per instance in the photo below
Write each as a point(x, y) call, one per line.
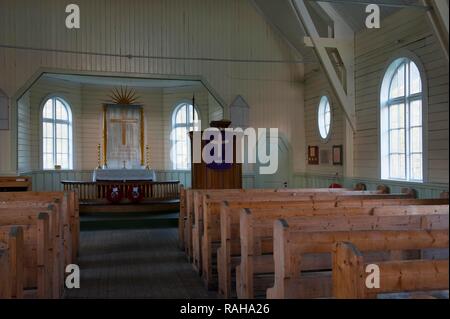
point(181, 115)
point(416, 140)
point(48, 161)
point(398, 83)
point(180, 133)
point(397, 141)
point(61, 112)
point(397, 116)
point(64, 161)
point(47, 145)
point(62, 146)
point(324, 117)
point(47, 112)
point(397, 166)
point(416, 167)
point(55, 136)
point(415, 81)
point(416, 113)
point(62, 131)
point(47, 130)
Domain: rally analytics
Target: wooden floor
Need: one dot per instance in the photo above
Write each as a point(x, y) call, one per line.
point(135, 263)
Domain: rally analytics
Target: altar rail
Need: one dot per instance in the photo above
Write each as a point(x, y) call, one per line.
point(89, 191)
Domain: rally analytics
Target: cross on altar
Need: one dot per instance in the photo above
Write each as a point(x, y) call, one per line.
point(124, 122)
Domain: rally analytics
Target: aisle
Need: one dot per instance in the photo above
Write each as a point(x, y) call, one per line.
point(130, 263)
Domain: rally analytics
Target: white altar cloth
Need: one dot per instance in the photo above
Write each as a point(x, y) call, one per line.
point(123, 175)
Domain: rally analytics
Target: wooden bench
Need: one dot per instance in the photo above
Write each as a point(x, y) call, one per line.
point(186, 217)
point(255, 272)
point(182, 218)
point(291, 249)
point(204, 252)
point(33, 265)
point(349, 268)
point(64, 223)
point(68, 210)
point(11, 262)
point(229, 252)
point(15, 183)
point(5, 274)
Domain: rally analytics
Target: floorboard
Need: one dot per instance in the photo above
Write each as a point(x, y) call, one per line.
point(135, 263)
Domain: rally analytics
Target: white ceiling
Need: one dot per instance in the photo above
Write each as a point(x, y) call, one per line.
point(280, 14)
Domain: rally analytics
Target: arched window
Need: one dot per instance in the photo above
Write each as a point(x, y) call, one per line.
point(401, 137)
point(324, 117)
point(56, 134)
point(185, 118)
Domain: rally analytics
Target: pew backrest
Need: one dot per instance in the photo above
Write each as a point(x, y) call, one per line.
point(349, 273)
point(291, 247)
point(12, 242)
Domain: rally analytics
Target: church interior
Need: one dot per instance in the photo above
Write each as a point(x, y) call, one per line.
point(224, 149)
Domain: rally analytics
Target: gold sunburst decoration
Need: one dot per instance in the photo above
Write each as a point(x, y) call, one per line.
point(124, 96)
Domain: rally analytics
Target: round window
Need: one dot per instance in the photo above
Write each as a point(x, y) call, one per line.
point(324, 117)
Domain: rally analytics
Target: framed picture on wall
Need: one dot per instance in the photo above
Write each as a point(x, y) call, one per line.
point(337, 155)
point(313, 155)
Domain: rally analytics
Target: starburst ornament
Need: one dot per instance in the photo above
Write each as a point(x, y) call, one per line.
point(124, 96)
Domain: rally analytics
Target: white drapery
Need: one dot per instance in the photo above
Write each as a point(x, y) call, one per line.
point(123, 136)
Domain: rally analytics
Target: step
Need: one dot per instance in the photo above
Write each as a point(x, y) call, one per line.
point(128, 221)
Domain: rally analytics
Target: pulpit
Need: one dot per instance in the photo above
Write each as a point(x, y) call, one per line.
point(215, 175)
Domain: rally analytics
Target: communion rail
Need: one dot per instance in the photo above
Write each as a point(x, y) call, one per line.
point(91, 191)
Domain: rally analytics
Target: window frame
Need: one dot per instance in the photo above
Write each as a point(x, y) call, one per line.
point(318, 110)
point(54, 122)
point(188, 125)
point(384, 125)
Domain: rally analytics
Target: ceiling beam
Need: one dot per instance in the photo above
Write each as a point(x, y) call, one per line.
point(346, 100)
point(438, 18)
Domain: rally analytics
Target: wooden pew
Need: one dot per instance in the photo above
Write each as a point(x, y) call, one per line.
point(182, 218)
point(203, 250)
point(64, 223)
point(5, 274)
point(206, 204)
point(15, 183)
point(68, 210)
point(257, 244)
point(187, 220)
point(292, 247)
point(229, 252)
point(61, 256)
point(11, 262)
point(40, 278)
point(349, 269)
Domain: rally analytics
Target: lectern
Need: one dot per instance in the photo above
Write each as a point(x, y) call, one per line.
point(216, 175)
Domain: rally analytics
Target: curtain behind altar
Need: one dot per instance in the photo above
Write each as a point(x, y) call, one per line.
point(123, 136)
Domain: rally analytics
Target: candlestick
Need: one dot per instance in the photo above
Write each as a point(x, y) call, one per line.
point(147, 157)
point(99, 157)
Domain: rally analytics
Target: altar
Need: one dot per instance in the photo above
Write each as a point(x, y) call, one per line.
point(124, 175)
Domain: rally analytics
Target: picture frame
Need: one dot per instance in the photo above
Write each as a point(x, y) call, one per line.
point(313, 155)
point(337, 155)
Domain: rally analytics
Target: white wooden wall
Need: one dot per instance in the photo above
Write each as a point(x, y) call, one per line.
point(405, 30)
point(317, 85)
point(229, 29)
point(86, 102)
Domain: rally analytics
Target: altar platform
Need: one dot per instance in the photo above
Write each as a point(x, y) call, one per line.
point(123, 175)
point(95, 197)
